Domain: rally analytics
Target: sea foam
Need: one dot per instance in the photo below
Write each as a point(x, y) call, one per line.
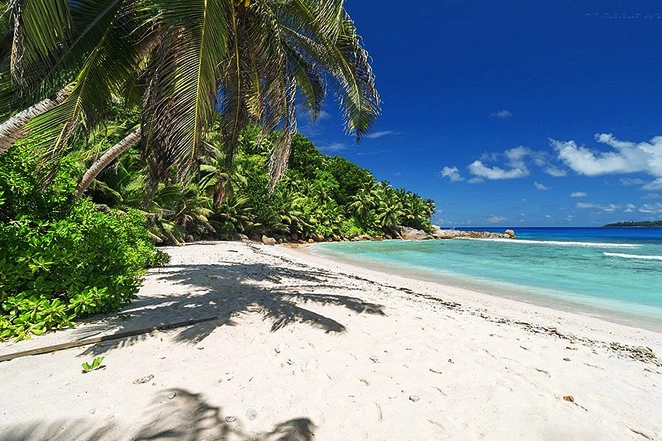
point(633, 256)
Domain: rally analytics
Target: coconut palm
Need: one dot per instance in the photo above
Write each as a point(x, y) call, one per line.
point(185, 60)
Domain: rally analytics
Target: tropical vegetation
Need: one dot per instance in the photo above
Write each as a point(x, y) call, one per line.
point(319, 197)
point(130, 122)
point(189, 65)
point(62, 258)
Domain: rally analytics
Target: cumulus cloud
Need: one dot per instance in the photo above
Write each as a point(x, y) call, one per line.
point(503, 114)
point(451, 173)
point(516, 162)
point(624, 157)
point(479, 169)
point(496, 219)
point(382, 134)
point(578, 194)
point(540, 186)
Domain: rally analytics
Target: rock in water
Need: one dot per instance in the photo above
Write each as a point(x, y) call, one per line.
point(408, 233)
point(510, 234)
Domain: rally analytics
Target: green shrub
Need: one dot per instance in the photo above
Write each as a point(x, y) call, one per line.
point(62, 258)
point(87, 263)
point(351, 228)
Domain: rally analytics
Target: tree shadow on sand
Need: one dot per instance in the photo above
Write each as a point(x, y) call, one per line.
point(225, 290)
point(176, 414)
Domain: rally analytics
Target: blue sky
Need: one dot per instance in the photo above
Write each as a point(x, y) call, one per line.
point(514, 113)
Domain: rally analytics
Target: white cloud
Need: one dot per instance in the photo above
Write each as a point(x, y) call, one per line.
point(479, 169)
point(651, 208)
point(624, 157)
point(334, 147)
point(627, 182)
point(313, 127)
point(578, 194)
point(496, 219)
point(503, 114)
point(451, 173)
point(540, 186)
point(555, 171)
point(515, 159)
point(652, 196)
point(598, 207)
point(654, 185)
point(374, 152)
point(381, 134)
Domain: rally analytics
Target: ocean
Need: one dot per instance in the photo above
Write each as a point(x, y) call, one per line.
point(612, 273)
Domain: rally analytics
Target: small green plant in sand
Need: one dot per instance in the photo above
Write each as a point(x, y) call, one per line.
point(96, 364)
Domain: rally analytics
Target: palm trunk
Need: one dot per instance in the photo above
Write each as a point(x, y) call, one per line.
point(14, 128)
point(111, 154)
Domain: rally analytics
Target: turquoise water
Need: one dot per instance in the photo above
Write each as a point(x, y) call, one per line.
point(614, 273)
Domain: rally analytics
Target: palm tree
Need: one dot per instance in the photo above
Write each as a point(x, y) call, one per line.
point(185, 60)
point(390, 209)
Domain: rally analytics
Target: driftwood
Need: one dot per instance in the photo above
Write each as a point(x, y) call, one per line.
point(93, 340)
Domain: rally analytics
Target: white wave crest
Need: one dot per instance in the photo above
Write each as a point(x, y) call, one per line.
point(566, 244)
point(633, 256)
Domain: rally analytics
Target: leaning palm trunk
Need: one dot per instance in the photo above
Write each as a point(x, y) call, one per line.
point(111, 154)
point(14, 128)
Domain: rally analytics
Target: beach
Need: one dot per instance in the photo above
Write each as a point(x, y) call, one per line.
point(294, 346)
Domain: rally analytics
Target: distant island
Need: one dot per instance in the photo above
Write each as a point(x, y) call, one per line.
point(647, 224)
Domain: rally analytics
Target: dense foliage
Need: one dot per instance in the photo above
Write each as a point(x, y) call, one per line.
point(320, 197)
point(65, 258)
point(62, 258)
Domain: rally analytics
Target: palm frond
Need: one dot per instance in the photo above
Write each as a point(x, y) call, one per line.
point(359, 99)
point(182, 98)
point(114, 59)
point(39, 29)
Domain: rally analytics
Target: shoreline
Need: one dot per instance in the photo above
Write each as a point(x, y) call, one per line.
point(611, 311)
point(308, 348)
point(474, 297)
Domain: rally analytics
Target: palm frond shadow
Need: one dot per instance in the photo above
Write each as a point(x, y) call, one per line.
point(226, 290)
point(187, 416)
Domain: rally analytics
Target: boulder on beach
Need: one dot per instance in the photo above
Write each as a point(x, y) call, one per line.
point(268, 240)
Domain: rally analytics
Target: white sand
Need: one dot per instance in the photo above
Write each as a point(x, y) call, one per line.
point(301, 350)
